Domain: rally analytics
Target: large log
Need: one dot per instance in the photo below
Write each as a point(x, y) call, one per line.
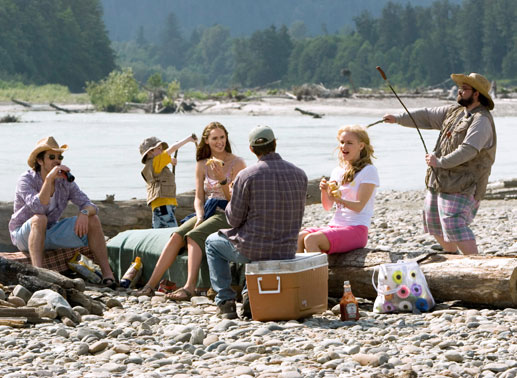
point(12, 271)
point(479, 280)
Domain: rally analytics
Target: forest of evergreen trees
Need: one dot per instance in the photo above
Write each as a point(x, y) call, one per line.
point(66, 42)
point(416, 46)
point(54, 41)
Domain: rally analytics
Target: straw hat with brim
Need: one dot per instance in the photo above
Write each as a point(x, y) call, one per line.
point(150, 143)
point(476, 81)
point(45, 144)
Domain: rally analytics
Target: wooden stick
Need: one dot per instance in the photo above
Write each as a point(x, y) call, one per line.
point(27, 312)
point(305, 112)
point(13, 322)
point(22, 103)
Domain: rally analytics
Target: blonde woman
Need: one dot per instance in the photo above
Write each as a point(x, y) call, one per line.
point(351, 188)
point(216, 169)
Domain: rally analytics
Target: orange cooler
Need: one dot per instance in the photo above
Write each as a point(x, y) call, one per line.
point(288, 289)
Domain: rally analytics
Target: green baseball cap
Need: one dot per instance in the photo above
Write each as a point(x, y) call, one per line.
point(261, 135)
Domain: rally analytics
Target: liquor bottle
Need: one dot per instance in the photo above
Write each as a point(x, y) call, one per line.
point(348, 305)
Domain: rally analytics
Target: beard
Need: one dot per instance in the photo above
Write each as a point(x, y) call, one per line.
point(466, 102)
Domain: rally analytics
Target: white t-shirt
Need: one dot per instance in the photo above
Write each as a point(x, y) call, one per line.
point(343, 215)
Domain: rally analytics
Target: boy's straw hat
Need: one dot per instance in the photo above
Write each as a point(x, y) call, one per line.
point(148, 144)
point(45, 144)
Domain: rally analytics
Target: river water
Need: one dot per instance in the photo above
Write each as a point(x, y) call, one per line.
point(103, 147)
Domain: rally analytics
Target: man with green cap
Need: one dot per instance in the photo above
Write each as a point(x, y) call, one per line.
point(265, 211)
point(461, 162)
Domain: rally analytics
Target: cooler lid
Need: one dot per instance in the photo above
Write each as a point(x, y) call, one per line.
point(301, 261)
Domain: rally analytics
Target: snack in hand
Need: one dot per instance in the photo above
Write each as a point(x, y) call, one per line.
point(333, 186)
point(215, 161)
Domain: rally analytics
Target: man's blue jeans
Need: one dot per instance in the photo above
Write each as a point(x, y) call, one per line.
point(219, 252)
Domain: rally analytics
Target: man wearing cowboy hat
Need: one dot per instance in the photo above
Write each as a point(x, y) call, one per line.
point(42, 194)
point(462, 160)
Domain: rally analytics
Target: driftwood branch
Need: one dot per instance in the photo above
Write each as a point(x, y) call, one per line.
point(480, 280)
point(13, 322)
point(52, 105)
point(22, 103)
point(305, 112)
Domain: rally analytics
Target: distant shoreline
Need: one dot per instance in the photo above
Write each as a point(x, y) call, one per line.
point(277, 105)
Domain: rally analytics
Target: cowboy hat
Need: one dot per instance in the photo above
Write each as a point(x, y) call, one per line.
point(476, 81)
point(150, 143)
point(45, 144)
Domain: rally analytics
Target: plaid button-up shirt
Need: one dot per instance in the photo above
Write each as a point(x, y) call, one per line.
point(266, 209)
point(27, 203)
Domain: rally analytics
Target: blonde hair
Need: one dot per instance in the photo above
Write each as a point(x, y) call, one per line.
point(365, 156)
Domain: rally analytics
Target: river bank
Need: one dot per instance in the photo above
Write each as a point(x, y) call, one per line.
point(364, 105)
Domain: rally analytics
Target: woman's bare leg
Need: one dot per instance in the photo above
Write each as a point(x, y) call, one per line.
point(316, 242)
point(169, 254)
point(195, 256)
point(301, 242)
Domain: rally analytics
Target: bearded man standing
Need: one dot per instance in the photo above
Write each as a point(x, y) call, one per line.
point(461, 162)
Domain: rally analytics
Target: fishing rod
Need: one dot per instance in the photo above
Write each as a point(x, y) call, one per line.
point(410, 116)
point(398, 98)
point(194, 136)
point(375, 123)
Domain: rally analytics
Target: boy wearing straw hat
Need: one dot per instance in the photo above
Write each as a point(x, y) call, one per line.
point(462, 160)
point(161, 183)
point(42, 194)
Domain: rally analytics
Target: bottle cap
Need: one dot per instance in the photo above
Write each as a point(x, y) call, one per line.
point(346, 283)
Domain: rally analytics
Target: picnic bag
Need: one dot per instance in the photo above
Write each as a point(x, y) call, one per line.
point(401, 287)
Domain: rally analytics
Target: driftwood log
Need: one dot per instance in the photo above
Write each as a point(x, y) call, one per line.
point(306, 112)
point(12, 271)
point(34, 279)
point(61, 109)
point(478, 280)
point(22, 103)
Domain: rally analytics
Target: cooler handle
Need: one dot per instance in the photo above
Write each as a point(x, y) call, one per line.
point(274, 291)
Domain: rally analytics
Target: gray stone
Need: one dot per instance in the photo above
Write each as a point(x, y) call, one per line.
point(16, 301)
point(199, 300)
point(243, 370)
point(198, 335)
point(67, 312)
point(21, 292)
point(98, 346)
point(81, 310)
point(496, 367)
point(51, 297)
point(453, 355)
point(46, 312)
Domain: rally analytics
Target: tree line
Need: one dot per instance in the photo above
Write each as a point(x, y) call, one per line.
point(54, 41)
point(242, 17)
point(416, 46)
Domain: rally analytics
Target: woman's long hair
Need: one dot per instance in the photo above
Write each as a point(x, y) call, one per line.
point(365, 157)
point(203, 149)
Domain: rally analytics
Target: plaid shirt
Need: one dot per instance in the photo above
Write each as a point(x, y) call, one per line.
point(266, 209)
point(27, 203)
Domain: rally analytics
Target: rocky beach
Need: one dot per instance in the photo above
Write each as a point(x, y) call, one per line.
point(152, 337)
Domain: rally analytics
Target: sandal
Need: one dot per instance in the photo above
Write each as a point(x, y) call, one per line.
point(109, 282)
point(146, 291)
point(181, 294)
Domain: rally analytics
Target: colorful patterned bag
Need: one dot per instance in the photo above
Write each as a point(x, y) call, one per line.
point(401, 287)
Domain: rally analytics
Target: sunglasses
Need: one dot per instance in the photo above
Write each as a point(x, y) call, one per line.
point(53, 157)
